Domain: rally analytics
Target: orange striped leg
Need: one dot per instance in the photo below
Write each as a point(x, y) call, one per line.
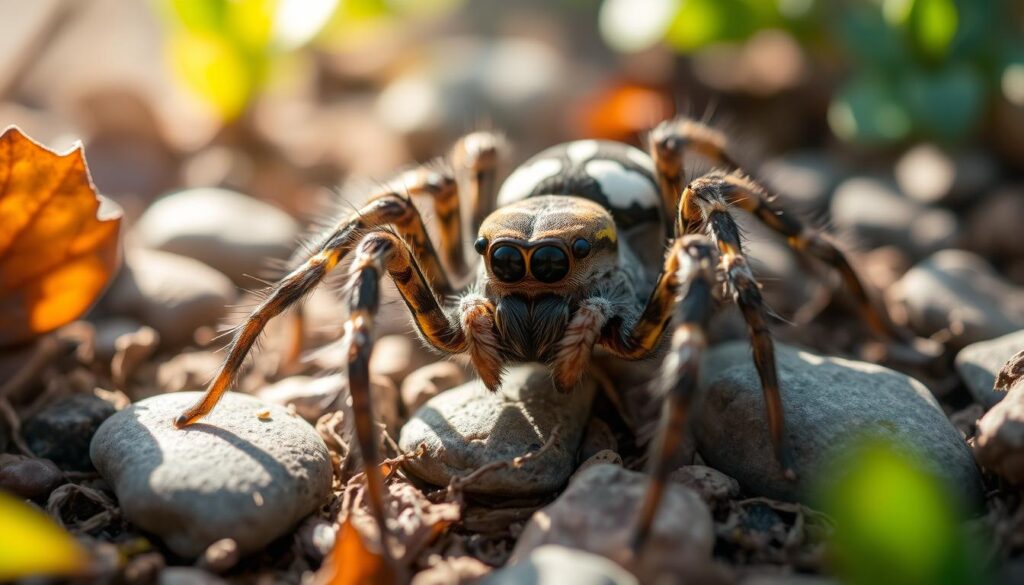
point(379, 252)
point(386, 208)
point(751, 196)
point(747, 295)
point(678, 379)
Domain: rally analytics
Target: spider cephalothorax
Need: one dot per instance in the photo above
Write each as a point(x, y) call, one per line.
point(573, 261)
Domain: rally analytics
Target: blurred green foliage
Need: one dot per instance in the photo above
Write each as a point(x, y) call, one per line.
point(225, 51)
point(895, 523)
point(915, 68)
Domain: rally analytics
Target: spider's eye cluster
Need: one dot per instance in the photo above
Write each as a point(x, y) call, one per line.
point(507, 264)
point(549, 264)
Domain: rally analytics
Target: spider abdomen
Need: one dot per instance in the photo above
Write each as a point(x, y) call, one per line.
point(617, 176)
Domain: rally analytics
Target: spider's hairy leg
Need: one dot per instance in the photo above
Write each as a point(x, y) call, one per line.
point(377, 253)
point(751, 196)
point(668, 144)
point(572, 356)
point(286, 293)
point(678, 377)
point(438, 182)
point(385, 208)
point(477, 154)
point(708, 193)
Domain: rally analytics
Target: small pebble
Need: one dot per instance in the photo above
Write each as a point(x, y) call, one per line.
point(959, 291)
point(469, 426)
point(427, 382)
point(311, 397)
point(188, 576)
point(229, 476)
point(220, 557)
point(713, 486)
point(61, 432)
point(929, 174)
point(231, 232)
point(874, 214)
point(994, 224)
point(28, 477)
point(173, 294)
point(597, 513)
point(979, 363)
point(804, 181)
point(598, 437)
point(830, 404)
point(397, 356)
point(551, 564)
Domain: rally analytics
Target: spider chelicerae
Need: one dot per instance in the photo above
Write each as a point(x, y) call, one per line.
point(573, 263)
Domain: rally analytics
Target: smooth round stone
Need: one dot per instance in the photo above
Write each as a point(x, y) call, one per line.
point(804, 181)
point(873, 212)
point(234, 233)
point(235, 474)
point(558, 564)
point(598, 512)
point(954, 286)
point(468, 427)
point(172, 294)
point(61, 432)
point(979, 363)
point(931, 175)
point(831, 404)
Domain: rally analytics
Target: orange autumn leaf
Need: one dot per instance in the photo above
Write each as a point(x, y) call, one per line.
point(352, 563)
point(58, 244)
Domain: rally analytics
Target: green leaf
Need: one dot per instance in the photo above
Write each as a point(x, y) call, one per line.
point(31, 545)
point(945, 104)
point(215, 69)
point(933, 24)
point(199, 15)
point(699, 23)
point(896, 523)
point(868, 110)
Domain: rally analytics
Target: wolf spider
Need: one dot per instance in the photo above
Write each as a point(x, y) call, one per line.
point(562, 274)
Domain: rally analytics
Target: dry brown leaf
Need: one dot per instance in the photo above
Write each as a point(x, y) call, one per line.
point(58, 244)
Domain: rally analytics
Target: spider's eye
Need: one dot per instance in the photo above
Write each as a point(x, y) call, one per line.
point(580, 248)
point(507, 264)
point(549, 264)
point(480, 245)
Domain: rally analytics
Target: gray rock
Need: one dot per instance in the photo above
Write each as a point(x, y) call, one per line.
point(28, 477)
point(993, 225)
point(804, 181)
point(235, 474)
point(830, 404)
point(61, 432)
point(551, 564)
point(172, 294)
point(429, 381)
point(311, 397)
point(468, 427)
point(929, 174)
point(979, 363)
point(875, 214)
point(713, 486)
point(234, 233)
point(959, 289)
point(597, 513)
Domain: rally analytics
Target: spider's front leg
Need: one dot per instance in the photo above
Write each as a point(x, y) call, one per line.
point(377, 253)
point(678, 377)
point(707, 197)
